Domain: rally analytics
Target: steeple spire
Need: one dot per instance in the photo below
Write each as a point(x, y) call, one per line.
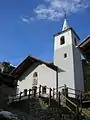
point(65, 25)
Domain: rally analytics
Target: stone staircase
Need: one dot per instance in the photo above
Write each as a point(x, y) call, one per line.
point(75, 108)
point(40, 110)
point(38, 107)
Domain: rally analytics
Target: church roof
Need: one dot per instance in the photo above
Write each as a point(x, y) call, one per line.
point(70, 28)
point(65, 25)
point(28, 62)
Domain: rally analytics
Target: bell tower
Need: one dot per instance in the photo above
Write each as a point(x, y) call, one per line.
point(68, 58)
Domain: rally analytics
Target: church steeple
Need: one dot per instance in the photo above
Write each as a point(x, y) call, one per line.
point(68, 58)
point(65, 25)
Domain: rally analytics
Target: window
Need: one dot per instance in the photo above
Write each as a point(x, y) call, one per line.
point(43, 89)
point(75, 40)
point(65, 55)
point(62, 40)
point(35, 79)
point(35, 74)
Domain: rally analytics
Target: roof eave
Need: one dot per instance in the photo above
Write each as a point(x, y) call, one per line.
point(70, 28)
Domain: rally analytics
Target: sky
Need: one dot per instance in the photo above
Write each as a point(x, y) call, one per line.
point(27, 26)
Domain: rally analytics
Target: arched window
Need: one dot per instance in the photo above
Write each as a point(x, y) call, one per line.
point(62, 40)
point(35, 74)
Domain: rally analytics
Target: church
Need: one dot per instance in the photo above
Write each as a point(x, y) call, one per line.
point(66, 68)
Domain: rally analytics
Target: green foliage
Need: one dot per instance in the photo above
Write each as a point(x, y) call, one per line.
point(43, 104)
point(7, 67)
point(8, 64)
point(86, 70)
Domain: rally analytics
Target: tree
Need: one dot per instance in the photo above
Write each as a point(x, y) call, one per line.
point(7, 67)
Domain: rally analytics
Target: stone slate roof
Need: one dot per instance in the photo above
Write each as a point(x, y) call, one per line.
point(28, 62)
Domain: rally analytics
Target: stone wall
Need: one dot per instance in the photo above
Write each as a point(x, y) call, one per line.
point(38, 109)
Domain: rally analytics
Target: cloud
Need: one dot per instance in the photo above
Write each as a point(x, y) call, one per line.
point(27, 19)
point(32, 19)
point(55, 9)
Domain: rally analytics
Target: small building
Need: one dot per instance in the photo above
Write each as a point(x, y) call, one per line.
point(66, 68)
point(30, 74)
point(84, 47)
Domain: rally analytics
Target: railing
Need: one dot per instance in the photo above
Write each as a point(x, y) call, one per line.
point(71, 106)
point(66, 102)
point(44, 91)
point(87, 96)
point(38, 91)
point(71, 92)
point(34, 92)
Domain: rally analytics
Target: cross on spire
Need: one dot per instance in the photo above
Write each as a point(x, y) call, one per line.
point(65, 24)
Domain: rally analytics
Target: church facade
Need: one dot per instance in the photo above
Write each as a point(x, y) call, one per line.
point(66, 68)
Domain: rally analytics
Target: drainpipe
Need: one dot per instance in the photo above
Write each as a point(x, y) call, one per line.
point(57, 83)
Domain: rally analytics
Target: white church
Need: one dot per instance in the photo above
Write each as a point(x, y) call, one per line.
point(66, 68)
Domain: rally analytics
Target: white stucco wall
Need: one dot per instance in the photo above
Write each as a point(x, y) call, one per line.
point(78, 76)
point(73, 39)
point(67, 66)
point(72, 74)
point(46, 76)
point(68, 40)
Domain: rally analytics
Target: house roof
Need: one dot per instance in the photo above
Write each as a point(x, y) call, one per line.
point(84, 46)
point(84, 42)
point(28, 62)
